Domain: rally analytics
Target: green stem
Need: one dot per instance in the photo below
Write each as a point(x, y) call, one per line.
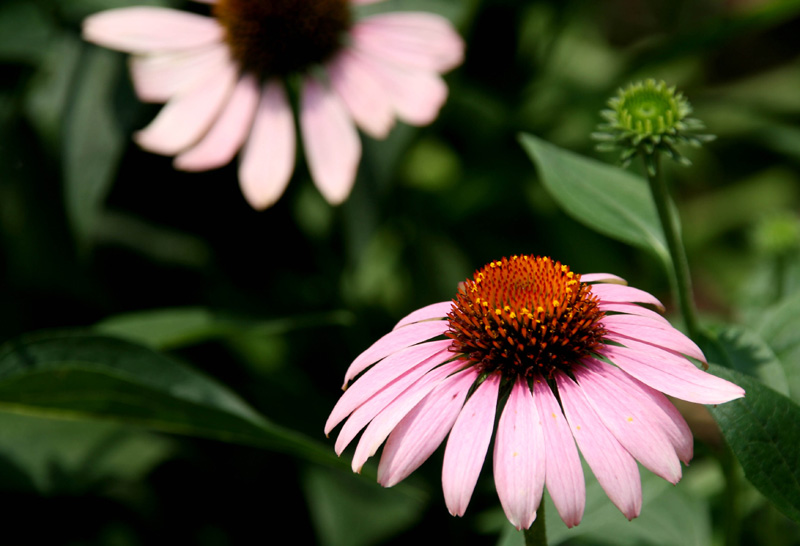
point(731, 500)
point(670, 223)
point(537, 534)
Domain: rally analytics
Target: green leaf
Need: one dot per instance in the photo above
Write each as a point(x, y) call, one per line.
point(25, 31)
point(745, 351)
point(780, 328)
point(69, 456)
point(762, 431)
point(93, 140)
point(348, 510)
point(605, 198)
point(170, 328)
point(76, 375)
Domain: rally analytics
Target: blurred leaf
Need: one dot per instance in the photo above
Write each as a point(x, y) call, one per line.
point(81, 376)
point(67, 456)
point(455, 10)
point(47, 96)
point(93, 141)
point(605, 198)
point(24, 32)
point(349, 511)
point(762, 431)
point(174, 327)
point(76, 10)
point(780, 328)
point(745, 351)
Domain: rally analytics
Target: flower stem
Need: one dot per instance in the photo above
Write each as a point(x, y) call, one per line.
point(670, 223)
point(536, 535)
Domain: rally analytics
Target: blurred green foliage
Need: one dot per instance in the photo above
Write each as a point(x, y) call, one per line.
point(103, 239)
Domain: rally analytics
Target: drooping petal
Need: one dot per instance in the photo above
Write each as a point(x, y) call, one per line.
point(672, 375)
point(563, 470)
point(228, 133)
point(640, 432)
point(150, 29)
point(419, 40)
point(158, 77)
point(362, 94)
point(616, 293)
point(367, 411)
point(603, 277)
point(381, 375)
point(653, 332)
point(331, 142)
point(393, 342)
point(416, 95)
point(654, 406)
point(612, 465)
point(387, 420)
point(519, 457)
point(467, 445)
point(420, 432)
point(632, 309)
point(268, 157)
point(429, 312)
point(186, 117)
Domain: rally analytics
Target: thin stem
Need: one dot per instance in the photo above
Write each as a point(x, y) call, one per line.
point(670, 223)
point(731, 500)
point(537, 534)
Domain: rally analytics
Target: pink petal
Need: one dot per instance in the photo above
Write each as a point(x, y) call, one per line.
point(632, 309)
point(420, 432)
point(381, 375)
point(228, 133)
point(143, 29)
point(612, 465)
point(419, 40)
point(393, 342)
point(519, 457)
point(387, 420)
point(563, 470)
point(639, 431)
point(416, 95)
point(429, 312)
point(654, 406)
point(652, 331)
point(467, 445)
point(267, 160)
point(614, 293)
point(186, 117)
point(331, 141)
point(672, 375)
point(670, 340)
point(158, 77)
point(362, 94)
point(383, 396)
point(603, 277)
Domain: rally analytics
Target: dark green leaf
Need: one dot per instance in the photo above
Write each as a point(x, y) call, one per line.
point(605, 198)
point(350, 511)
point(24, 31)
point(780, 328)
point(81, 376)
point(762, 431)
point(93, 140)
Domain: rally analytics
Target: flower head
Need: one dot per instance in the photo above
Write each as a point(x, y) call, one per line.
point(649, 117)
point(566, 359)
point(223, 79)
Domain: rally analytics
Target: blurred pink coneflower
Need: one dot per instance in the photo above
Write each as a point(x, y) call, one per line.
point(566, 359)
point(223, 79)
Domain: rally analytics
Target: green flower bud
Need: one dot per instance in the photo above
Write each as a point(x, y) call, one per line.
point(647, 118)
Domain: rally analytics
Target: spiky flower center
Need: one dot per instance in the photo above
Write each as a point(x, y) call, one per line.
point(278, 37)
point(650, 108)
point(525, 316)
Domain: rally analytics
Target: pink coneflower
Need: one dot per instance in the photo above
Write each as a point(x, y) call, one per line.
point(566, 358)
point(223, 79)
